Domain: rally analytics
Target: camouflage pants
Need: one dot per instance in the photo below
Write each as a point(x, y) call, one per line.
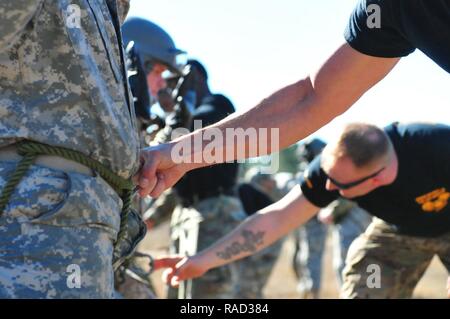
point(196, 228)
point(307, 261)
point(57, 234)
point(310, 247)
point(344, 233)
point(400, 259)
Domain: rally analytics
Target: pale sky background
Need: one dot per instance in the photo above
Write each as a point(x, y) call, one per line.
point(253, 47)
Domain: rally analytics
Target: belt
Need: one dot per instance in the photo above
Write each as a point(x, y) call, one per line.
point(10, 153)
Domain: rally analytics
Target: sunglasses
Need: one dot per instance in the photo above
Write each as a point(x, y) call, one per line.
point(354, 183)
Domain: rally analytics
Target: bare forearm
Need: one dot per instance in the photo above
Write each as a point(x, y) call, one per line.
point(259, 231)
point(277, 122)
point(285, 117)
point(295, 111)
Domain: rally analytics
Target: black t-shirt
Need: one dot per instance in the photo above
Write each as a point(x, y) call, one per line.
point(252, 198)
point(404, 26)
point(207, 180)
point(417, 202)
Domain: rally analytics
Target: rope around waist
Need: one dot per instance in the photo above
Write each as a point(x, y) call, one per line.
point(30, 151)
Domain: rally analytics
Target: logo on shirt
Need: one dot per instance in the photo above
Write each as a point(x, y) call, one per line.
point(434, 201)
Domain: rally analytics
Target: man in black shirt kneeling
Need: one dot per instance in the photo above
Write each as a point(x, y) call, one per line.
point(400, 174)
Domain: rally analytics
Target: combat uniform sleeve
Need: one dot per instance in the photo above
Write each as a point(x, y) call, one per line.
point(313, 183)
point(14, 17)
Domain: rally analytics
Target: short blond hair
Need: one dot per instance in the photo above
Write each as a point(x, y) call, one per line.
point(362, 143)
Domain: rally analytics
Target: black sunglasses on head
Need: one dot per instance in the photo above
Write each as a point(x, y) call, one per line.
point(355, 183)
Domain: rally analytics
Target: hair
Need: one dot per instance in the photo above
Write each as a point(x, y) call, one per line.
point(363, 144)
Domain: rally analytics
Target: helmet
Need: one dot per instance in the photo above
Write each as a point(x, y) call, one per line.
point(152, 43)
point(310, 149)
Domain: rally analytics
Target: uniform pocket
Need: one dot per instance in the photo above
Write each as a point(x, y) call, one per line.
point(90, 202)
point(41, 191)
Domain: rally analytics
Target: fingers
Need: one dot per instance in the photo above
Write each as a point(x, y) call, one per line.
point(160, 185)
point(166, 262)
point(156, 164)
point(176, 272)
point(168, 278)
point(147, 177)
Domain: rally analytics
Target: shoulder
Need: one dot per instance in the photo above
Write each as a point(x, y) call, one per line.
point(418, 130)
point(428, 140)
point(219, 101)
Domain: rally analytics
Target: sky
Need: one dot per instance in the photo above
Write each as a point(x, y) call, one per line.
point(251, 48)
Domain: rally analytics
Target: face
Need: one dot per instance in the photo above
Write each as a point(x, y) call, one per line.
point(155, 81)
point(343, 171)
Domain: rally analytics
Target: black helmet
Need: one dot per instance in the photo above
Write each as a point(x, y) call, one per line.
point(311, 148)
point(152, 43)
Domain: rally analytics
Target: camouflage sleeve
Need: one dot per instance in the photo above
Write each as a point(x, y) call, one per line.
point(14, 16)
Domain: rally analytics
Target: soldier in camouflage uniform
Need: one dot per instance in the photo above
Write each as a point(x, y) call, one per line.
point(63, 83)
point(150, 51)
point(255, 270)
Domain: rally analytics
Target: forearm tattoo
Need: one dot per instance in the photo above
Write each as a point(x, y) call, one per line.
point(250, 244)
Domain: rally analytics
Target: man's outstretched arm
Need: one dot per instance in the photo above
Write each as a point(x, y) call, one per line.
point(254, 234)
point(296, 110)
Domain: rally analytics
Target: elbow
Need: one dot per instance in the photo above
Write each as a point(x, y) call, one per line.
point(305, 87)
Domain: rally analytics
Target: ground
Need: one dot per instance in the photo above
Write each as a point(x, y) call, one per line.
point(282, 281)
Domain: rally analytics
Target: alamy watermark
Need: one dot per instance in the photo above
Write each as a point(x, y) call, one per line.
point(373, 281)
point(373, 12)
point(72, 16)
point(74, 278)
point(240, 143)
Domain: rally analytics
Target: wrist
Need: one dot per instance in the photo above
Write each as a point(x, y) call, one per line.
point(182, 154)
point(205, 260)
